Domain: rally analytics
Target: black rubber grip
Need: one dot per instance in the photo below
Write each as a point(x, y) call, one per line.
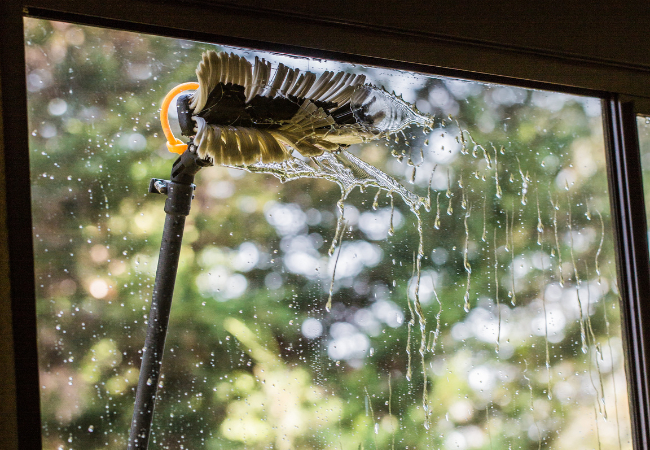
point(185, 114)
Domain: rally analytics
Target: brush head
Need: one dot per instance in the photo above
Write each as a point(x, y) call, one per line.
point(241, 115)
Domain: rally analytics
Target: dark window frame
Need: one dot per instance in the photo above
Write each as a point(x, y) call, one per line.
point(253, 27)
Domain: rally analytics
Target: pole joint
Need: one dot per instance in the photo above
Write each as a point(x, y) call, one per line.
point(180, 189)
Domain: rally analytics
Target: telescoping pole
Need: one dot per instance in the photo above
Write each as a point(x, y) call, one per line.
point(180, 192)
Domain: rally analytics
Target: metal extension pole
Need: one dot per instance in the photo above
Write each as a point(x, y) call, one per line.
point(179, 193)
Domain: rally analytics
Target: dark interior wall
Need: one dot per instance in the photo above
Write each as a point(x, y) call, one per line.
point(599, 30)
point(599, 45)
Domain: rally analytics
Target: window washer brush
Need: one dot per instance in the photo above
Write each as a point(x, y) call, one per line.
point(242, 114)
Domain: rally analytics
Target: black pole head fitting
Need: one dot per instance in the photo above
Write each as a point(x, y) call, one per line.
point(187, 165)
point(180, 190)
point(185, 114)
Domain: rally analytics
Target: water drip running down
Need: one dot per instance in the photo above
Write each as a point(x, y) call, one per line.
point(540, 225)
point(513, 291)
point(507, 247)
point(425, 391)
point(602, 407)
point(466, 264)
point(428, 203)
point(600, 245)
point(549, 393)
point(611, 350)
point(486, 155)
point(556, 208)
point(499, 192)
point(340, 222)
point(570, 228)
point(598, 408)
point(436, 223)
point(525, 180)
point(597, 429)
point(583, 333)
point(487, 425)
point(461, 139)
point(411, 322)
point(449, 194)
point(421, 319)
point(478, 147)
point(433, 335)
point(484, 235)
point(390, 409)
point(391, 227)
point(328, 306)
point(463, 196)
point(496, 290)
point(372, 415)
point(375, 202)
point(532, 408)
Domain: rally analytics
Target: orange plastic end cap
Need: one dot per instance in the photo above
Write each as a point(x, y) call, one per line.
point(174, 145)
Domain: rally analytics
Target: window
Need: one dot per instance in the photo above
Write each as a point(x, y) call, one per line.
point(621, 162)
point(518, 343)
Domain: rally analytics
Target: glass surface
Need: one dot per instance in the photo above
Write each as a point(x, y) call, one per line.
point(519, 341)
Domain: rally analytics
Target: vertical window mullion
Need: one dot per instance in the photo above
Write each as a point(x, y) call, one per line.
point(630, 233)
point(20, 266)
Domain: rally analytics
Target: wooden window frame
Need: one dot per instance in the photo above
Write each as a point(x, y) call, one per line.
point(623, 88)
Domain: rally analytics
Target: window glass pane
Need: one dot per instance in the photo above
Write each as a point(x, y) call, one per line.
point(518, 344)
